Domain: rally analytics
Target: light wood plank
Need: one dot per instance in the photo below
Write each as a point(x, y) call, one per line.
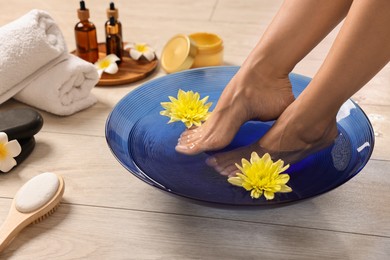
point(79, 232)
point(379, 117)
point(245, 12)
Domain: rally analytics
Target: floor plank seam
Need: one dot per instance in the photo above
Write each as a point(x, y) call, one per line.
point(379, 160)
point(213, 10)
point(78, 134)
point(227, 219)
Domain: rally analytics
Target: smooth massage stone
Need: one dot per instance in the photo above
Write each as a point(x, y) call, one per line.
point(27, 145)
point(36, 192)
point(20, 123)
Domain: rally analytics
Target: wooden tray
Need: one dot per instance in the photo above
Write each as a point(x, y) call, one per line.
point(129, 70)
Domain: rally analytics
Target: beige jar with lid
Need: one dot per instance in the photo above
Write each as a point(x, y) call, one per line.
point(196, 50)
point(210, 49)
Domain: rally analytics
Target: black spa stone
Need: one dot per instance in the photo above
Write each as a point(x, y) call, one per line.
point(27, 145)
point(20, 123)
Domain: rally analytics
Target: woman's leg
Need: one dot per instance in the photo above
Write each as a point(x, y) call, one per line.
point(261, 89)
point(361, 50)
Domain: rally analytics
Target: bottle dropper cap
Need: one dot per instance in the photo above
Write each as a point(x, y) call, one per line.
point(83, 13)
point(112, 11)
point(112, 26)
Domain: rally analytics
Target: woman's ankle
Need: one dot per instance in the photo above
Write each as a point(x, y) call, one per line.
point(299, 129)
point(268, 64)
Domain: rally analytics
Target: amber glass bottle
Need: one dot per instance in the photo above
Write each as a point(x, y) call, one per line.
point(86, 38)
point(114, 40)
point(112, 11)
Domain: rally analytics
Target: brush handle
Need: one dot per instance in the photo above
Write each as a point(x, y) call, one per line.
point(12, 225)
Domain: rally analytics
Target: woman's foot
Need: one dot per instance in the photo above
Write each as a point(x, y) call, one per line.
point(249, 95)
point(292, 138)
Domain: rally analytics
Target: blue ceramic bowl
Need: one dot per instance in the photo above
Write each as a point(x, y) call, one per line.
point(143, 143)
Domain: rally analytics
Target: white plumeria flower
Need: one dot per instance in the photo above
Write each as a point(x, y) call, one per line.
point(8, 150)
point(137, 50)
point(107, 64)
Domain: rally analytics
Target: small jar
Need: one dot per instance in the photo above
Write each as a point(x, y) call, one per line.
point(210, 49)
point(196, 50)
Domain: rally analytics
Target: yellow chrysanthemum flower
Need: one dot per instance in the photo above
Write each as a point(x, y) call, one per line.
point(187, 108)
point(262, 175)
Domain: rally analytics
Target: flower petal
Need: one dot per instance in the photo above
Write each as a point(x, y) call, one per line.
point(112, 58)
point(237, 181)
point(100, 72)
point(149, 55)
point(269, 195)
point(204, 100)
point(255, 157)
point(284, 168)
point(3, 137)
point(285, 188)
point(134, 54)
point(112, 68)
point(248, 186)
point(7, 164)
point(239, 167)
point(13, 147)
point(255, 194)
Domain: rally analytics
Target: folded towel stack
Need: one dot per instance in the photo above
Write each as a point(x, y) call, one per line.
point(36, 68)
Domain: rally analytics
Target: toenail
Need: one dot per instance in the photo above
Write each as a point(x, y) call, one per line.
point(218, 169)
point(224, 173)
point(181, 147)
point(211, 161)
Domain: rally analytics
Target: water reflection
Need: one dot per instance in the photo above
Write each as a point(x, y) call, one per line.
point(153, 151)
point(341, 152)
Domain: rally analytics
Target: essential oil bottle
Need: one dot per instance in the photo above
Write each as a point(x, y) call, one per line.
point(113, 39)
point(86, 38)
point(112, 11)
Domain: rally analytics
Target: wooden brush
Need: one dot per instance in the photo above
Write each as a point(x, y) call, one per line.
point(23, 210)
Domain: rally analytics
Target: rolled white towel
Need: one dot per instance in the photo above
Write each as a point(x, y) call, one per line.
point(63, 89)
point(28, 47)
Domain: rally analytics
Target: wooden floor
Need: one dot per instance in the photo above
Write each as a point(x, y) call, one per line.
point(107, 213)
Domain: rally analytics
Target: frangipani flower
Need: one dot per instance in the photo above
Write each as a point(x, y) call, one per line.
point(137, 50)
point(187, 108)
point(107, 64)
point(8, 150)
point(262, 175)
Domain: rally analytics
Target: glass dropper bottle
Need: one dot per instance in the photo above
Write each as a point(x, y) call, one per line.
point(112, 11)
point(85, 34)
point(114, 40)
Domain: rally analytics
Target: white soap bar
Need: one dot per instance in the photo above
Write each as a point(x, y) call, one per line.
point(36, 192)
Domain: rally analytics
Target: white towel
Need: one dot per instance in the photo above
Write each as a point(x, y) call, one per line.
point(64, 89)
point(36, 68)
point(28, 46)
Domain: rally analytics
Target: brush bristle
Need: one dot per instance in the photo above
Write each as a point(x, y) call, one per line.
point(38, 220)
